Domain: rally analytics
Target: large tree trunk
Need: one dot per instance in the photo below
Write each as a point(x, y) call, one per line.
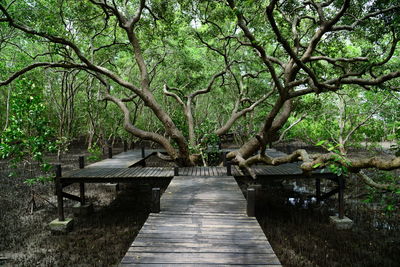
point(273, 123)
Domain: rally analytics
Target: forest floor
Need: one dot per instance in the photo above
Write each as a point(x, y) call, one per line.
point(297, 228)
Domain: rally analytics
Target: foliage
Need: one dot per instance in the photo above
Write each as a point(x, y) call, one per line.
point(338, 163)
point(95, 153)
point(396, 137)
point(388, 199)
point(28, 135)
point(93, 54)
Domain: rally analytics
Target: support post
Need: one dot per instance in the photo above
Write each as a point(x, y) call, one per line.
point(125, 146)
point(318, 189)
point(110, 152)
point(81, 161)
point(224, 158)
point(82, 193)
point(176, 171)
point(82, 185)
point(143, 152)
point(341, 196)
point(251, 202)
point(60, 200)
point(155, 200)
point(228, 169)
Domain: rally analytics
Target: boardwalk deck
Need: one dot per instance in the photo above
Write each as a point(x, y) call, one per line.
point(122, 160)
point(203, 212)
point(106, 175)
point(202, 222)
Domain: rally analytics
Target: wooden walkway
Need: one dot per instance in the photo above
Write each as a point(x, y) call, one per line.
point(202, 222)
point(203, 217)
point(122, 160)
point(109, 175)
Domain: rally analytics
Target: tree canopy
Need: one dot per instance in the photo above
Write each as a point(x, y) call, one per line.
point(183, 73)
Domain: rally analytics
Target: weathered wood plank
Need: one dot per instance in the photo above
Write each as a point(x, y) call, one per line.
point(205, 258)
point(182, 247)
point(195, 265)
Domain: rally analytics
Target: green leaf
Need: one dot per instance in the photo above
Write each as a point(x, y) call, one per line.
point(317, 165)
point(320, 143)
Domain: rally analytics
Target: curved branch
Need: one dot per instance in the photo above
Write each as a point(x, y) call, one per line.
point(168, 93)
point(334, 60)
point(38, 65)
point(209, 86)
point(289, 50)
point(267, 60)
point(358, 21)
point(369, 181)
point(23, 71)
point(360, 81)
point(290, 127)
point(325, 26)
point(141, 133)
point(236, 115)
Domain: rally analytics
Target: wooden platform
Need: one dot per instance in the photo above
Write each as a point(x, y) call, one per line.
point(202, 222)
point(111, 175)
point(122, 160)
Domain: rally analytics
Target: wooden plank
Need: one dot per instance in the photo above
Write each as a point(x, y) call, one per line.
point(194, 265)
point(133, 172)
point(151, 172)
point(124, 173)
point(204, 258)
point(194, 244)
point(212, 171)
point(196, 229)
point(166, 247)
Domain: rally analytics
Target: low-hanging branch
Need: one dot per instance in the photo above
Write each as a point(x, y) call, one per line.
point(313, 161)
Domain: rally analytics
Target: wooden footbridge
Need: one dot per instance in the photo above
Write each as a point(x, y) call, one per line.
point(201, 219)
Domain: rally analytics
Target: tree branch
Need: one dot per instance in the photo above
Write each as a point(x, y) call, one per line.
point(209, 86)
point(37, 65)
point(168, 93)
point(267, 60)
point(369, 181)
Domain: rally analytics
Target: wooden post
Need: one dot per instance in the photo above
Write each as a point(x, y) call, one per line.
point(82, 185)
point(251, 202)
point(60, 200)
point(228, 169)
point(155, 200)
point(125, 146)
point(143, 152)
point(82, 193)
point(341, 196)
point(318, 189)
point(224, 158)
point(176, 171)
point(110, 152)
point(81, 161)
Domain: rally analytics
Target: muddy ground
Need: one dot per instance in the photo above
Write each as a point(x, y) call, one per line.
point(300, 234)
